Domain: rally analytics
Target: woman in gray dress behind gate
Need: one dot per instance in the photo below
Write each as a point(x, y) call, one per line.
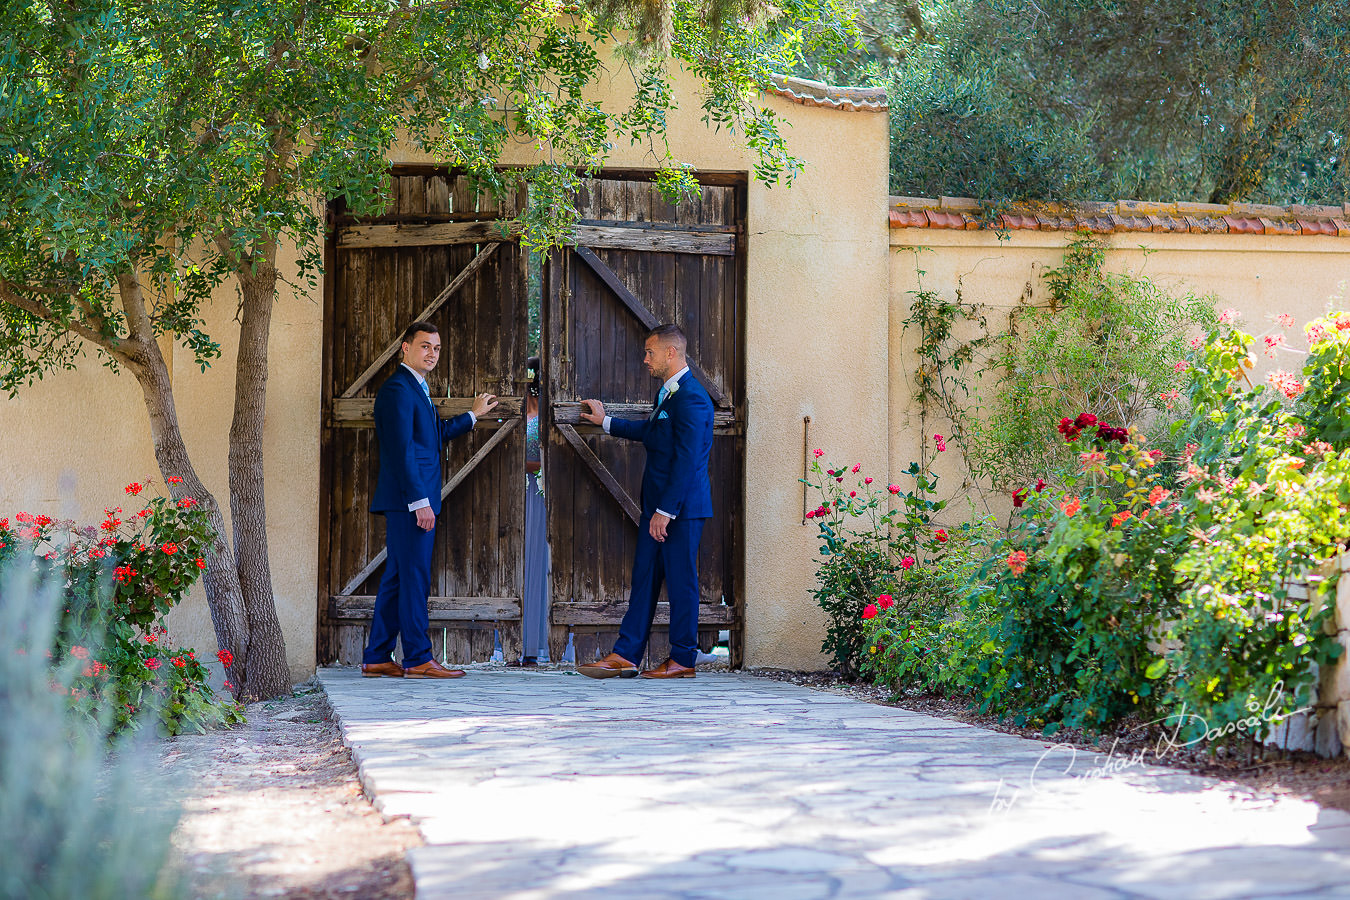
point(534, 603)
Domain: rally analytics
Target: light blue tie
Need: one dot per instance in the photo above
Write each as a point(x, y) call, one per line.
point(662, 395)
point(426, 389)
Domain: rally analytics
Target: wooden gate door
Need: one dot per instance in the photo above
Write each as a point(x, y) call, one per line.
point(639, 261)
point(437, 255)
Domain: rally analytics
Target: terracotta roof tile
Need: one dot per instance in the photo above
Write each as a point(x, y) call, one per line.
point(1240, 225)
point(1279, 226)
point(1124, 216)
point(817, 93)
point(1316, 226)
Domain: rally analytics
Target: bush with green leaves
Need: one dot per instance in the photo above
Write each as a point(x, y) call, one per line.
point(1104, 343)
point(1266, 494)
point(80, 816)
point(1154, 585)
point(871, 550)
point(119, 580)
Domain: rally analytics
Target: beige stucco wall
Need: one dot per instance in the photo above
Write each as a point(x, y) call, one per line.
point(1258, 275)
point(71, 443)
point(816, 325)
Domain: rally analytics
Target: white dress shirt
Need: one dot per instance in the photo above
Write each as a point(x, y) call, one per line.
point(669, 388)
point(418, 504)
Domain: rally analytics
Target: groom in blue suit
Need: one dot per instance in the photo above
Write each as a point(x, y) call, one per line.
point(408, 494)
point(676, 502)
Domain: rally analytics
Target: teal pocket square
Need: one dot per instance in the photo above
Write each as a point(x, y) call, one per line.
point(662, 415)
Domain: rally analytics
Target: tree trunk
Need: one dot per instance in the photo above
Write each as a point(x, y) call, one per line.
point(223, 595)
point(266, 674)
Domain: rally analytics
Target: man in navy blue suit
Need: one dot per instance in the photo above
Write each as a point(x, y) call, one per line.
point(408, 494)
point(676, 502)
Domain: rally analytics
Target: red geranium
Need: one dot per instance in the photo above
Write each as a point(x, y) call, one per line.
point(226, 658)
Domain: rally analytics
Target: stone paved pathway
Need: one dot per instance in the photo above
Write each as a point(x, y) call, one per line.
point(533, 785)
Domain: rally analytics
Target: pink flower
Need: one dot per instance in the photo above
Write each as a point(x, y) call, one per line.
point(867, 480)
point(941, 443)
point(1285, 319)
point(1273, 341)
point(1228, 315)
point(1197, 343)
point(79, 652)
point(856, 468)
point(1181, 365)
point(907, 563)
point(893, 488)
point(1316, 333)
point(869, 611)
point(1286, 383)
point(853, 493)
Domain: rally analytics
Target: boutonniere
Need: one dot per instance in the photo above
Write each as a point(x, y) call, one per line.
point(673, 388)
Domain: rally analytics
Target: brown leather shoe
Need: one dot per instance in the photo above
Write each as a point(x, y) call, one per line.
point(611, 665)
point(387, 669)
point(670, 669)
point(432, 669)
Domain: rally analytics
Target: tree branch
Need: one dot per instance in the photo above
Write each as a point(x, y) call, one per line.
point(9, 295)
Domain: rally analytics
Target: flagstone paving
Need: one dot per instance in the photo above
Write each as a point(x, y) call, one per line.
point(543, 784)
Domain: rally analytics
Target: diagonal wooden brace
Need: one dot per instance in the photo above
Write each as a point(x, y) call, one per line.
point(449, 486)
point(603, 474)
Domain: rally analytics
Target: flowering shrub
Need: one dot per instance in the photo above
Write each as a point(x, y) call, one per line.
point(870, 549)
point(1156, 584)
point(120, 579)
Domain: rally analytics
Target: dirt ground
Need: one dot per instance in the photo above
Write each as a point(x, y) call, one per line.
point(1325, 781)
point(273, 808)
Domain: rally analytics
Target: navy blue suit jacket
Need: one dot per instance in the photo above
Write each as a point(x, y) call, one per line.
point(678, 438)
point(410, 435)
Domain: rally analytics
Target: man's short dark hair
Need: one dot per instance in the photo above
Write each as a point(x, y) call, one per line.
point(417, 328)
point(670, 334)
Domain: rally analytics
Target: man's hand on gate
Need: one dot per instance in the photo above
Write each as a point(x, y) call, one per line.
point(594, 412)
point(483, 404)
point(426, 519)
point(658, 526)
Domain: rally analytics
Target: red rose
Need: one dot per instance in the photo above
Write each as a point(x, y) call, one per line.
point(885, 602)
point(869, 611)
point(907, 563)
point(1019, 497)
point(941, 535)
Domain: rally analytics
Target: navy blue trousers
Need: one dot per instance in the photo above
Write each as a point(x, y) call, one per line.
point(401, 603)
point(674, 562)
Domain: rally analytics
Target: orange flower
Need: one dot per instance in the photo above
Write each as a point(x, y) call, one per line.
point(1120, 517)
point(1070, 505)
point(1158, 495)
point(1017, 562)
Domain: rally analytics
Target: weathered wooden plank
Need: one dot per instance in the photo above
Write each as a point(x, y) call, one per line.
point(360, 411)
point(458, 282)
point(601, 473)
point(657, 240)
point(611, 613)
point(439, 609)
point(569, 413)
point(409, 235)
point(478, 457)
point(645, 316)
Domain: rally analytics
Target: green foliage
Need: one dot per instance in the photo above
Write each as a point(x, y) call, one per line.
point(1154, 99)
point(870, 550)
point(117, 583)
point(1156, 586)
point(78, 818)
point(164, 145)
point(1105, 343)
point(1267, 488)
